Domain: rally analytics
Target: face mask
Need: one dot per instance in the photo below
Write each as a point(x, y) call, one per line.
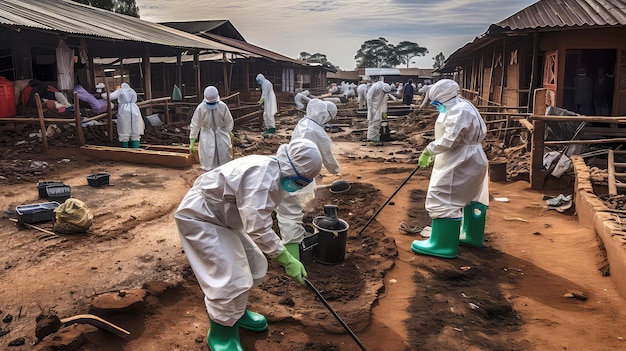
point(439, 106)
point(289, 185)
point(259, 82)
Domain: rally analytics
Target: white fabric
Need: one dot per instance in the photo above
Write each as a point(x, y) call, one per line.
point(460, 167)
point(301, 99)
point(290, 211)
point(332, 109)
point(270, 105)
point(361, 91)
point(441, 91)
point(65, 66)
point(211, 94)
point(214, 127)
point(130, 125)
point(225, 224)
point(376, 105)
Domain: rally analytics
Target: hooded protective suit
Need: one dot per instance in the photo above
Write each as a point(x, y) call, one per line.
point(130, 124)
point(290, 213)
point(214, 124)
point(270, 106)
point(459, 173)
point(225, 224)
point(376, 105)
point(361, 92)
point(301, 99)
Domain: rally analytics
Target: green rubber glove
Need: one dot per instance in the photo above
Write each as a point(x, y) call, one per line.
point(425, 159)
point(261, 101)
point(384, 115)
point(294, 268)
point(192, 145)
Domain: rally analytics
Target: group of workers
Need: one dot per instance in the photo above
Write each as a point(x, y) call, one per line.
point(225, 220)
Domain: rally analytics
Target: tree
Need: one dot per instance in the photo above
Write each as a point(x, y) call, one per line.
point(439, 60)
point(124, 7)
point(406, 50)
point(377, 53)
point(318, 58)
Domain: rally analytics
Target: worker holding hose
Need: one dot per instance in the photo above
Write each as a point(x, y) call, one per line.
point(225, 227)
point(458, 189)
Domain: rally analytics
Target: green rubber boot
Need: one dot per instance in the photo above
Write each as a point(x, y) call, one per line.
point(223, 338)
point(294, 250)
point(269, 131)
point(473, 226)
point(443, 240)
point(135, 144)
point(252, 321)
point(124, 144)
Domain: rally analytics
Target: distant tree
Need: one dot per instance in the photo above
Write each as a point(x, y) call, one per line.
point(124, 7)
point(406, 50)
point(377, 53)
point(439, 60)
point(318, 58)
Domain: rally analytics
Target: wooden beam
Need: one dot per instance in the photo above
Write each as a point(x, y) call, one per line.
point(526, 124)
point(579, 118)
point(42, 123)
point(587, 141)
point(160, 158)
point(611, 169)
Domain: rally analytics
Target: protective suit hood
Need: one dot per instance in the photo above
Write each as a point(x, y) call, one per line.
point(211, 97)
point(260, 78)
point(127, 93)
point(317, 111)
point(304, 155)
point(332, 109)
point(441, 91)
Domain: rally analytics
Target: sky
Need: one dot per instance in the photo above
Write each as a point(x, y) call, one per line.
point(338, 28)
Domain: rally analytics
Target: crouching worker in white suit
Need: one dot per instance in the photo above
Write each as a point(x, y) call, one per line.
point(214, 123)
point(225, 227)
point(458, 196)
point(130, 124)
point(290, 212)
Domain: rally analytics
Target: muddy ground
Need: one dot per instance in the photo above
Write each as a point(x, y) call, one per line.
point(537, 285)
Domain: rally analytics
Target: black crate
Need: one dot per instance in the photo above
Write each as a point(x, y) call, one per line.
point(35, 213)
point(58, 193)
point(41, 187)
point(98, 179)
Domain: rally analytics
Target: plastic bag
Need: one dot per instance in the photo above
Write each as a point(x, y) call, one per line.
point(72, 216)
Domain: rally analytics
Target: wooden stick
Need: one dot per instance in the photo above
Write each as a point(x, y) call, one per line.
point(611, 168)
point(42, 123)
point(33, 227)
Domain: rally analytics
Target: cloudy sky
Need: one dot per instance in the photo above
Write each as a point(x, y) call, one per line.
point(337, 28)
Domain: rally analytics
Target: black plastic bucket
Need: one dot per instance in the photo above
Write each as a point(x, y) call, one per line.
point(331, 244)
point(306, 248)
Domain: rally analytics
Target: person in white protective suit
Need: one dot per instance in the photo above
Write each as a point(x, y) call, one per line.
point(290, 212)
point(302, 99)
point(130, 125)
point(270, 106)
point(458, 194)
point(214, 123)
point(377, 96)
point(225, 227)
point(361, 92)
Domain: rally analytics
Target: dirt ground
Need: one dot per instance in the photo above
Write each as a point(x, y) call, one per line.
point(537, 285)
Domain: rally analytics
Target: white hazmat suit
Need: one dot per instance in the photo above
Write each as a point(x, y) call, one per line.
point(376, 104)
point(459, 173)
point(225, 224)
point(302, 99)
point(290, 212)
point(270, 105)
point(130, 125)
point(361, 92)
point(213, 122)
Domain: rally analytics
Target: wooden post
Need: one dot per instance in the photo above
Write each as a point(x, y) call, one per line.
point(196, 66)
point(110, 118)
point(147, 75)
point(611, 169)
point(179, 71)
point(42, 123)
point(225, 69)
point(532, 72)
point(80, 136)
point(537, 147)
point(167, 113)
point(503, 76)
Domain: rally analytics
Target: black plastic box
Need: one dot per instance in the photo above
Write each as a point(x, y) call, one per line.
point(35, 213)
point(58, 193)
point(98, 179)
point(41, 187)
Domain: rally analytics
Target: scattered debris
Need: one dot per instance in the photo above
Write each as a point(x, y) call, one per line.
point(515, 219)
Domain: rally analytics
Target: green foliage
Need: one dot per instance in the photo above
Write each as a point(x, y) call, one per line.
point(318, 58)
point(439, 60)
point(381, 54)
point(124, 7)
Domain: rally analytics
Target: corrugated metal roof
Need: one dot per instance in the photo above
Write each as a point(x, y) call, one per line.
point(565, 13)
point(73, 18)
point(219, 27)
point(253, 49)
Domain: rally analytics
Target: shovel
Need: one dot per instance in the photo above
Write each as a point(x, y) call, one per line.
point(337, 187)
point(343, 324)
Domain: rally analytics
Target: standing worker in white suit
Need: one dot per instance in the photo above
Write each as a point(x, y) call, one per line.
point(270, 105)
point(377, 96)
point(214, 123)
point(290, 212)
point(130, 126)
point(225, 228)
point(458, 188)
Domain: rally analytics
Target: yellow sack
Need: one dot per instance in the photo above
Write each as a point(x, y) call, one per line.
point(72, 216)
